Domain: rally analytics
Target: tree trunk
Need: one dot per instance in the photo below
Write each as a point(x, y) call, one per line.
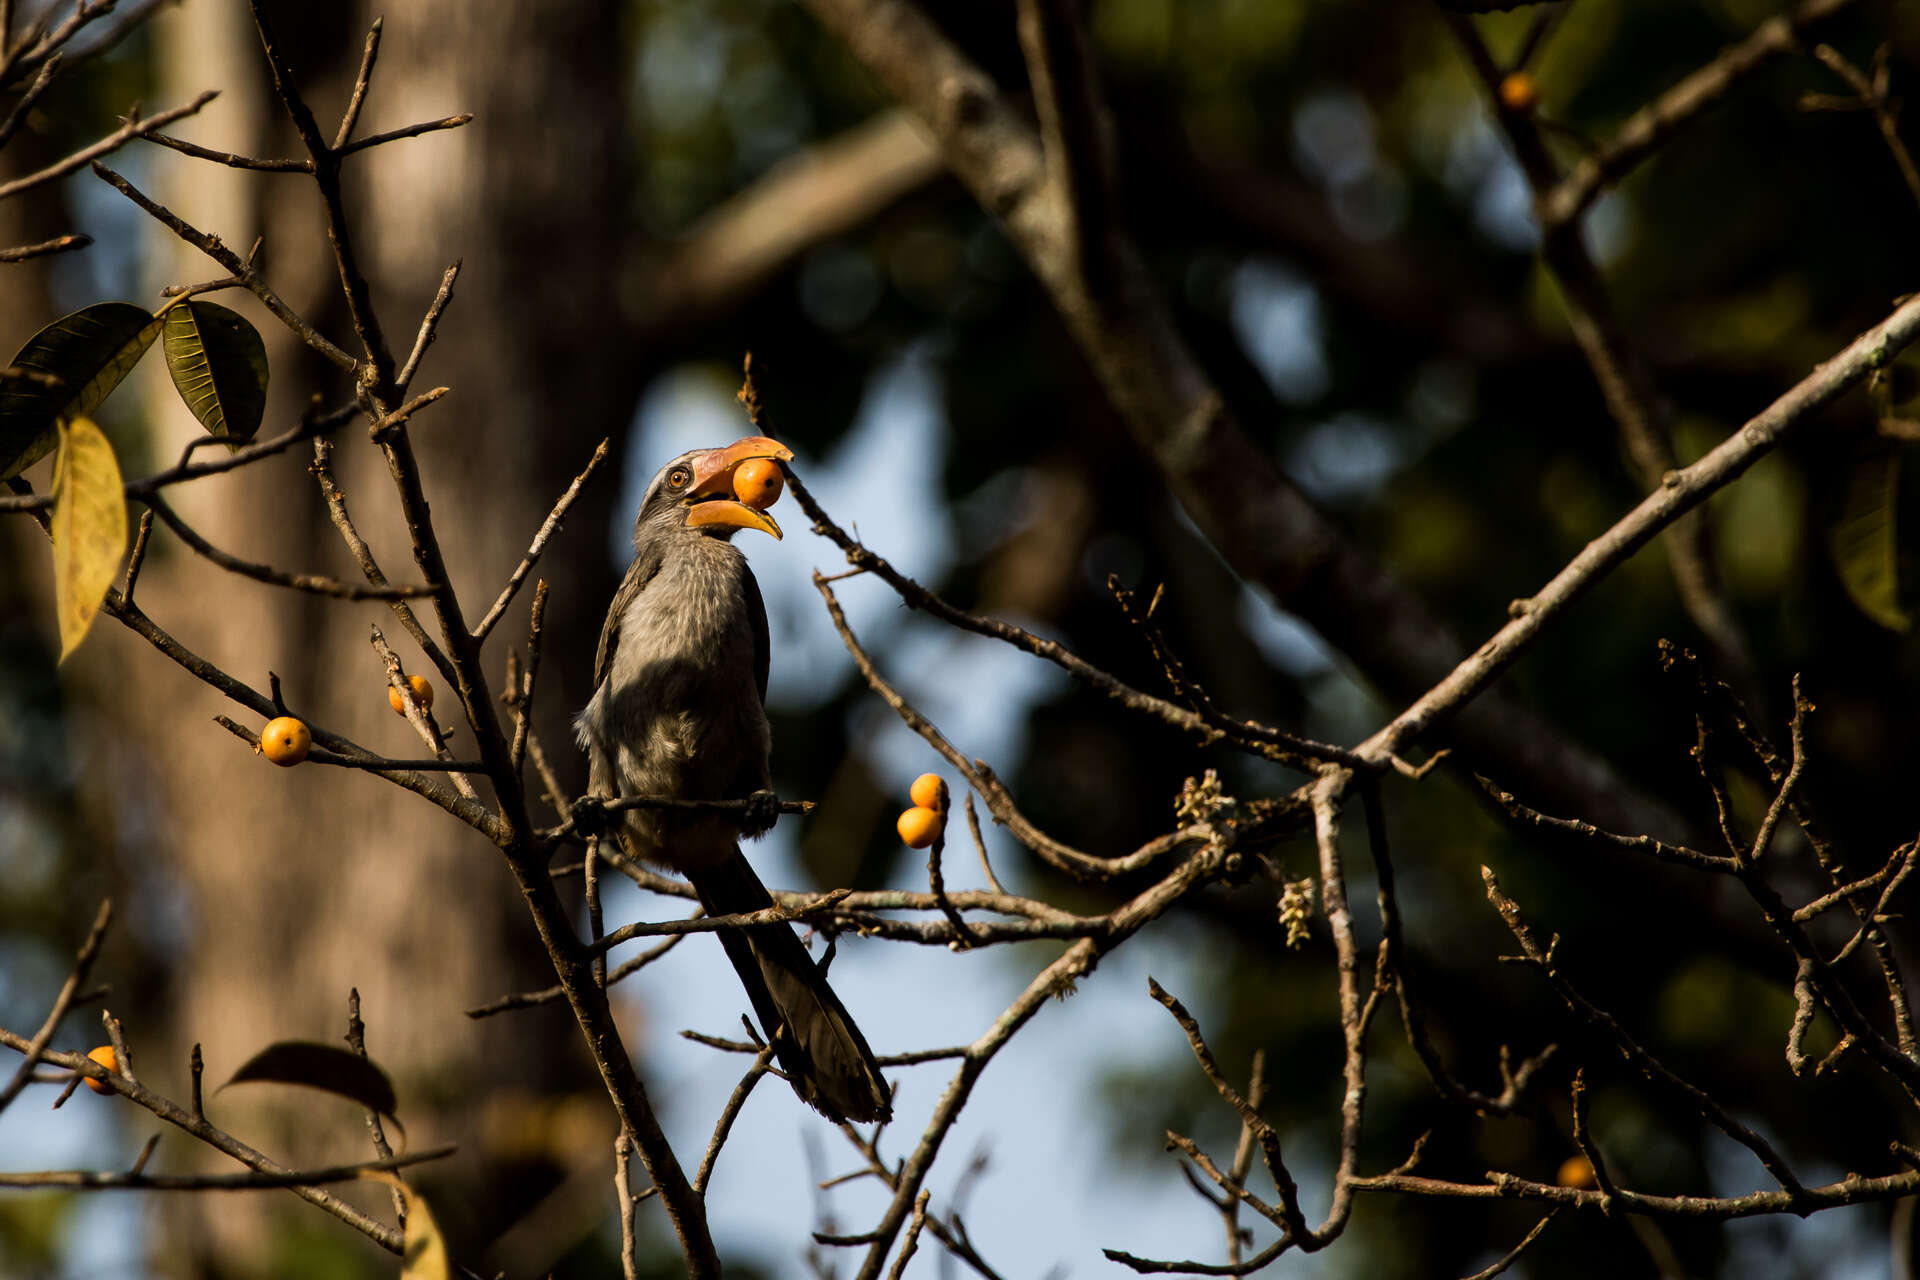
point(303, 884)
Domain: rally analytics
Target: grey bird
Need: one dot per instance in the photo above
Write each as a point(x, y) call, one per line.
point(678, 710)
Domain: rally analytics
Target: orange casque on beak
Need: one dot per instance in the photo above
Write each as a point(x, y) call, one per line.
point(713, 475)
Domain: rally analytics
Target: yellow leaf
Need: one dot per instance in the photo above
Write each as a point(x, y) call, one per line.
point(1862, 537)
point(89, 528)
point(424, 1255)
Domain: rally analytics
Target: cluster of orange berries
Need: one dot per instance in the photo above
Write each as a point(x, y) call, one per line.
point(286, 739)
point(921, 825)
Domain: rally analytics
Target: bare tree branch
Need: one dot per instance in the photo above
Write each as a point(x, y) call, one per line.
point(1648, 128)
point(1680, 492)
point(1259, 521)
point(82, 965)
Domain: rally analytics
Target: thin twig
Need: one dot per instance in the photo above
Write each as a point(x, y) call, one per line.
point(213, 248)
point(1243, 1153)
point(1763, 838)
point(548, 527)
point(999, 802)
point(82, 965)
point(133, 1180)
point(26, 101)
point(376, 1131)
point(623, 1191)
point(336, 498)
point(1286, 1211)
point(986, 865)
point(1631, 1051)
point(523, 694)
point(133, 128)
point(918, 597)
point(361, 82)
point(386, 1237)
point(316, 584)
point(1851, 1190)
point(429, 323)
point(912, 1242)
point(232, 160)
point(963, 934)
point(186, 469)
point(417, 715)
point(1587, 832)
point(407, 131)
point(1683, 490)
point(137, 556)
point(707, 924)
point(59, 244)
point(1625, 382)
point(1583, 1139)
point(1513, 1255)
point(1396, 968)
point(1648, 128)
point(722, 1127)
point(527, 999)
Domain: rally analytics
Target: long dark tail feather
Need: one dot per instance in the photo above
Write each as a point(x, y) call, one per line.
point(813, 1036)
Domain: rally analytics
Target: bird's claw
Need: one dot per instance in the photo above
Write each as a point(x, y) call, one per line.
point(762, 811)
point(590, 817)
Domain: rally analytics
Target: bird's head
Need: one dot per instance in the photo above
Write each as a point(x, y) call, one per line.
point(695, 493)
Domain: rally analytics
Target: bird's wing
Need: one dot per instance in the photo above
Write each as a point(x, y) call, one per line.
point(639, 574)
point(757, 620)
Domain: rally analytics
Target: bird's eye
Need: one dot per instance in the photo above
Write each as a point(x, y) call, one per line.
point(678, 477)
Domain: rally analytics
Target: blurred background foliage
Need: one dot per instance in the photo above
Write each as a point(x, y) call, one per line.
point(1350, 248)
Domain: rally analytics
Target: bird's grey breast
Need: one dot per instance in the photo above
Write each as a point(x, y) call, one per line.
point(679, 711)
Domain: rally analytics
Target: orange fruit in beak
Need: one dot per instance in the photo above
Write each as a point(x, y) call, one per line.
point(757, 483)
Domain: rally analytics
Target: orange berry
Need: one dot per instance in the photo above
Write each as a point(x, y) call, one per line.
point(1577, 1172)
point(758, 483)
point(1518, 92)
point(422, 694)
point(286, 741)
point(919, 827)
point(930, 792)
point(104, 1055)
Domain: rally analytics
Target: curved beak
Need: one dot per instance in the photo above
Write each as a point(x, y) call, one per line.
point(710, 499)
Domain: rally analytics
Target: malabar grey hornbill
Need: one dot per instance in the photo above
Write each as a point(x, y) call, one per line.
point(678, 710)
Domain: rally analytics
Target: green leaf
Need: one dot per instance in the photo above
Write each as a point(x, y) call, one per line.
point(89, 528)
point(320, 1066)
point(424, 1253)
point(219, 367)
point(1862, 538)
point(65, 371)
